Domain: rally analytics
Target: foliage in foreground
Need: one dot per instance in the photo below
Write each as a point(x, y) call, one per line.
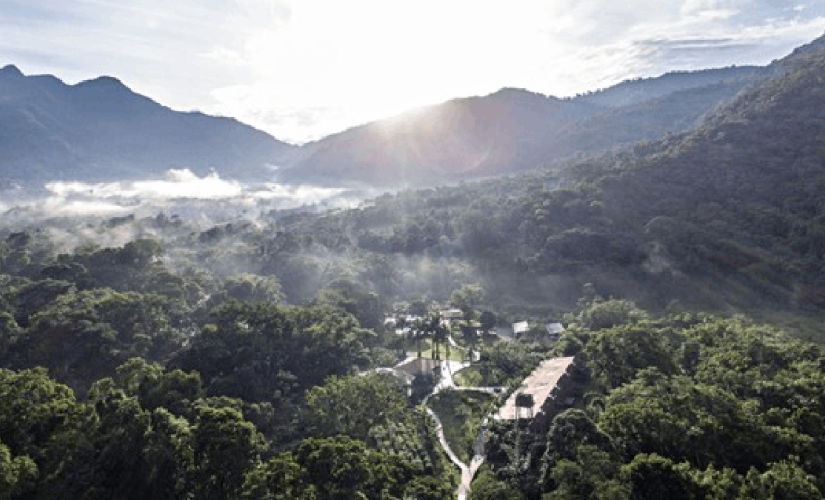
point(123, 443)
point(689, 406)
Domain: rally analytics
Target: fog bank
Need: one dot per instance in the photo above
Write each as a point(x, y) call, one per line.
point(180, 192)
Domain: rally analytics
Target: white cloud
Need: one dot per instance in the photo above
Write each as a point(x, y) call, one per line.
point(185, 184)
point(306, 193)
point(179, 184)
point(62, 207)
point(180, 192)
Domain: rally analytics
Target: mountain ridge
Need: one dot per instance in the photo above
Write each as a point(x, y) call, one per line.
point(637, 90)
point(549, 130)
point(99, 129)
point(600, 122)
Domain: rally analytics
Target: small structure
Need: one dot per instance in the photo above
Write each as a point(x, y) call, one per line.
point(471, 330)
point(452, 315)
point(402, 379)
point(541, 394)
point(554, 331)
point(554, 328)
point(520, 327)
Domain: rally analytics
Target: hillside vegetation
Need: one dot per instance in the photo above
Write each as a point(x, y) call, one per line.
point(683, 406)
point(727, 215)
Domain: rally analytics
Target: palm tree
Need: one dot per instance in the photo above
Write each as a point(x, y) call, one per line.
point(417, 330)
point(447, 342)
point(439, 334)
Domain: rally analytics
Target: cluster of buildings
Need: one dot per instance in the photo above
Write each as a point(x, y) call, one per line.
point(544, 393)
point(452, 317)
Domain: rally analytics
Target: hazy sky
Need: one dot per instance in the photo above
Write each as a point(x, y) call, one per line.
point(301, 69)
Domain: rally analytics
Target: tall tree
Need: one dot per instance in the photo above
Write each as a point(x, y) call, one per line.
point(353, 405)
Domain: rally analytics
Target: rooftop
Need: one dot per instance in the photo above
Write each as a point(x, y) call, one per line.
point(539, 384)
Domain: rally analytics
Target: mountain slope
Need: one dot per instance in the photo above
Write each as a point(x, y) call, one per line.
point(645, 120)
point(730, 213)
point(459, 139)
point(513, 130)
point(742, 196)
point(100, 130)
point(636, 91)
point(728, 216)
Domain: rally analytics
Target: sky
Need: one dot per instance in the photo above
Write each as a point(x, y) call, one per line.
point(303, 69)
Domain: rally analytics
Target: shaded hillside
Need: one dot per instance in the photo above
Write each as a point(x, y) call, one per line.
point(101, 130)
point(646, 120)
point(731, 212)
point(514, 131)
point(459, 139)
point(630, 92)
point(740, 199)
point(727, 216)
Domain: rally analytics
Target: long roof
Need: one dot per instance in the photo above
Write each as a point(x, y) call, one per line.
point(539, 384)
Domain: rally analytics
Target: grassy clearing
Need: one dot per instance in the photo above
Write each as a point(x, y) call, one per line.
point(461, 414)
point(482, 376)
point(469, 377)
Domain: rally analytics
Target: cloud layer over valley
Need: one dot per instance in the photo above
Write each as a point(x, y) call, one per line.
point(181, 193)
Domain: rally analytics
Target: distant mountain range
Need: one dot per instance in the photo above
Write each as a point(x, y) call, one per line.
point(99, 130)
point(514, 130)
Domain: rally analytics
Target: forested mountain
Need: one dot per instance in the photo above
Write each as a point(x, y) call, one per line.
point(724, 215)
point(648, 119)
point(630, 92)
point(460, 139)
point(100, 130)
point(514, 130)
point(727, 214)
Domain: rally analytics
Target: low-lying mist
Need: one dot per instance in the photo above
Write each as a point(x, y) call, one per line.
point(181, 193)
point(207, 226)
point(405, 246)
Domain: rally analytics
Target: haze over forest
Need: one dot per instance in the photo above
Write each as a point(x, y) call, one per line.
point(191, 308)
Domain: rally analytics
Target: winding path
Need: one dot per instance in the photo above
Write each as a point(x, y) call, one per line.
point(446, 382)
point(466, 475)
